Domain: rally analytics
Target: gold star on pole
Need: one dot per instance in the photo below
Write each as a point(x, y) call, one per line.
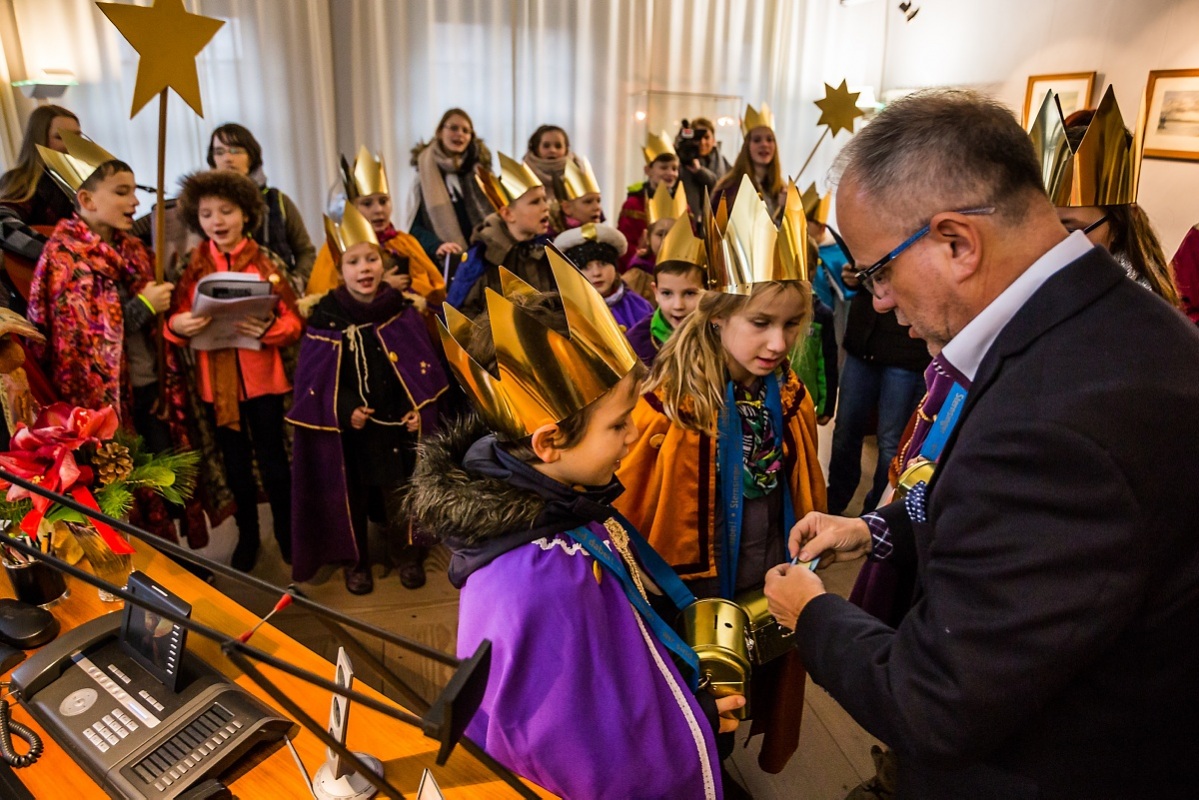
point(839, 108)
point(167, 38)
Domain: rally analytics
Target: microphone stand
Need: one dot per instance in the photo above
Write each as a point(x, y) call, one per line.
point(445, 719)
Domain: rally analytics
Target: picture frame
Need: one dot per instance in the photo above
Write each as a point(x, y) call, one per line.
point(1074, 90)
point(1172, 121)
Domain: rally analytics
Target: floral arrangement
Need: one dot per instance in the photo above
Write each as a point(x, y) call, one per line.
point(83, 454)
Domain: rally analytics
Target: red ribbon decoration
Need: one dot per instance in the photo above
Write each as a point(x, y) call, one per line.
point(82, 496)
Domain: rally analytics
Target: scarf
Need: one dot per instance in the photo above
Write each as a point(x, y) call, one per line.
point(432, 165)
point(385, 305)
point(761, 450)
point(659, 328)
point(550, 170)
point(616, 296)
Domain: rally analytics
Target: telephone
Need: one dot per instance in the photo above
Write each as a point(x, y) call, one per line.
point(144, 718)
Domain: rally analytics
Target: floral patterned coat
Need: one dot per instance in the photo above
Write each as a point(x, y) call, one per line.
point(75, 298)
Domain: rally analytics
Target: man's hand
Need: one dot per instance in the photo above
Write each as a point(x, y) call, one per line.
point(789, 588)
point(726, 705)
point(158, 295)
point(831, 538)
point(448, 248)
point(360, 417)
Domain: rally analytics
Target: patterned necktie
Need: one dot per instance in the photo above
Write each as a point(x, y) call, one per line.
point(939, 377)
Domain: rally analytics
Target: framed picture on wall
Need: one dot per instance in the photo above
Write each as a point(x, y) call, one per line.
point(1073, 90)
point(1172, 126)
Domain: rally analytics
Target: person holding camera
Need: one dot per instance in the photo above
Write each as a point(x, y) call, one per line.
point(700, 160)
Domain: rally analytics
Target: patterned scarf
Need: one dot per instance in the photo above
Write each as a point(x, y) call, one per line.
point(761, 449)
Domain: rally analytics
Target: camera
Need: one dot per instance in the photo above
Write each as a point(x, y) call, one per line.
point(686, 144)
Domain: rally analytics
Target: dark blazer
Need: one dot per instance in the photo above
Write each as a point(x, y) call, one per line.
point(1053, 649)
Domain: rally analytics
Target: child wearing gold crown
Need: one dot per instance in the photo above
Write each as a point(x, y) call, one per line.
point(679, 279)
point(513, 237)
point(577, 198)
point(93, 292)
point(661, 171)
point(584, 695)
point(407, 268)
point(367, 385)
point(727, 457)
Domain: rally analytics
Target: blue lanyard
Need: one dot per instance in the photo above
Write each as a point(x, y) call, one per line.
point(661, 574)
point(947, 419)
point(731, 460)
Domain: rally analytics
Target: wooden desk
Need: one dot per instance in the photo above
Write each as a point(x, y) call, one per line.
point(264, 772)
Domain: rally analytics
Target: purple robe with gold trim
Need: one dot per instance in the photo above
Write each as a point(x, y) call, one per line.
point(321, 528)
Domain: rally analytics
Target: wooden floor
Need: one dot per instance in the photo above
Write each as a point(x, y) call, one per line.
point(834, 752)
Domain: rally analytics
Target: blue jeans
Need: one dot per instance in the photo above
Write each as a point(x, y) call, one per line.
point(865, 387)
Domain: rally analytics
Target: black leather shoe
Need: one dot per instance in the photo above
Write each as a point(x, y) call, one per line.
point(412, 575)
point(359, 581)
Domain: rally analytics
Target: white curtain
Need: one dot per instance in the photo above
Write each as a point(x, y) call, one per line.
point(269, 68)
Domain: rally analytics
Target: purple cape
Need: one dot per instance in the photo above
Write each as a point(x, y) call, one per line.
point(630, 309)
point(642, 339)
point(582, 699)
point(321, 529)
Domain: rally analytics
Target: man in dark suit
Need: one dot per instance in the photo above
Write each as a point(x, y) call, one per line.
point(1053, 647)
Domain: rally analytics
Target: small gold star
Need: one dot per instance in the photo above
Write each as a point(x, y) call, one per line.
point(167, 40)
point(839, 108)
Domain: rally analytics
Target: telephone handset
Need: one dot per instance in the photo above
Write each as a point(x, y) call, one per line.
point(143, 717)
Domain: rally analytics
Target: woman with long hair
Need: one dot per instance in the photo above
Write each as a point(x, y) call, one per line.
point(28, 195)
point(448, 202)
point(759, 160)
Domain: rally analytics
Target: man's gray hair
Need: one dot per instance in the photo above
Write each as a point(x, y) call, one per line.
point(942, 150)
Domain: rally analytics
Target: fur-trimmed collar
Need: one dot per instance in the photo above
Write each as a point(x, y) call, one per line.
point(482, 502)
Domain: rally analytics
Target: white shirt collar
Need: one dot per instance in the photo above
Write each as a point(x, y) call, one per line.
point(966, 350)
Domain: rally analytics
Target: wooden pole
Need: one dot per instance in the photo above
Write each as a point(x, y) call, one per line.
point(812, 154)
point(160, 236)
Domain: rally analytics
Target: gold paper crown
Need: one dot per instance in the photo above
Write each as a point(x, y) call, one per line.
point(70, 169)
point(664, 205)
point(657, 144)
point(543, 376)
point(745, 247)
point(577, 181)
point(368, 175)
point(514, 180)
point(815, 207)
point(1105, 168)
point(354, 229)
point(681, 244)
point(756, 119)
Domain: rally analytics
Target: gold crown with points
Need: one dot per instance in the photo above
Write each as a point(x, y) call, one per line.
point(657, 144)
point(354, 229)
point(756, 119)
point(542, 376)
point(664, 205)
point(815, 207)
point(745, 247)
point(791, 248)
point(1105, 168)
point(579, 181)
point(681, 245)
point(367, 176)
point(514, 180)
point(70, 169)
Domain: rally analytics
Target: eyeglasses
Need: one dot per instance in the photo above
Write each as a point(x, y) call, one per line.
point(217, 152)
point(870, 277)
point(1094, 225)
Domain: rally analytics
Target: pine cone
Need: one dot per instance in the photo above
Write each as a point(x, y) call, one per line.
point(113, 462)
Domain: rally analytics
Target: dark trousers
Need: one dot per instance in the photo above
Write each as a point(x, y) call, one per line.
point(384, 504)
point(865, 388)
point(261, 439)
point(154, 431)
